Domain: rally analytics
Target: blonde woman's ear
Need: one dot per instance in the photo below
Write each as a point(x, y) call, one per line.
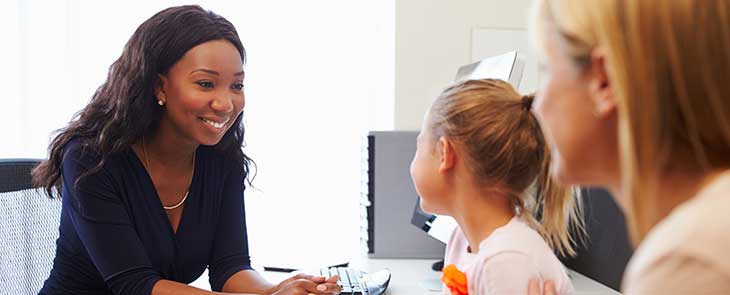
point(447, 155)
point(599, 86)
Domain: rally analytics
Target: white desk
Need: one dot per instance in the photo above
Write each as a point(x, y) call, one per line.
point(411, 276)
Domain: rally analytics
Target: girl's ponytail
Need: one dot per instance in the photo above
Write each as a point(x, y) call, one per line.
point(557, 206)
point(560, 210)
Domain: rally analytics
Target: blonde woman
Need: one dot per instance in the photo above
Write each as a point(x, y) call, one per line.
point(636, 98)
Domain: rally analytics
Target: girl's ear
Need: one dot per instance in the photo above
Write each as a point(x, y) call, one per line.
point(447, 155)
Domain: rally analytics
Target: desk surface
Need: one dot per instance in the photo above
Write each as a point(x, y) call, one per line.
point(414, 276)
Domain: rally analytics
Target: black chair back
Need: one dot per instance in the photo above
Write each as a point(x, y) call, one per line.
point(15, 174)
point(29, 222)
point(607, 250)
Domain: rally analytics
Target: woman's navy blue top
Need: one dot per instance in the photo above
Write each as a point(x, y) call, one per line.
point(115, 237)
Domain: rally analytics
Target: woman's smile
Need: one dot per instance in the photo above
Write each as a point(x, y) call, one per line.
point(217, 125)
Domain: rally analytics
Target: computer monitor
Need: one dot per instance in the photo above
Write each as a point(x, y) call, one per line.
point(420, 218)
point(437, 226)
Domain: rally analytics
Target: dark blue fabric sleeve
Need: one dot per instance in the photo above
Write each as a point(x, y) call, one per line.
point(103, 225)
point(230, 245)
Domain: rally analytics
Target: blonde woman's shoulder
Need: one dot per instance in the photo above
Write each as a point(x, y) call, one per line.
point(688, 248)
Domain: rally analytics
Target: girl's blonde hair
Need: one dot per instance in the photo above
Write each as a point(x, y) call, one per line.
point(506, 152)
point(668, 63)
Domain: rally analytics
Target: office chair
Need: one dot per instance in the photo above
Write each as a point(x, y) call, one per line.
point(29, 222)
point(607, 250)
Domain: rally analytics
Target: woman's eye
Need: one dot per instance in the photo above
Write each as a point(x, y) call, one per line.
point(237, 86)
point(205, 84)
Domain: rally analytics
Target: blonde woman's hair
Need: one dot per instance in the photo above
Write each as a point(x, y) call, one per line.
point(669, 64)
point(506, 152)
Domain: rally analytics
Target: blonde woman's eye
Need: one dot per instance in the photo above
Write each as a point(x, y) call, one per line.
point(237, 86)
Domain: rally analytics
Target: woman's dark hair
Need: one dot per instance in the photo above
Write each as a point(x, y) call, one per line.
point(124, 108)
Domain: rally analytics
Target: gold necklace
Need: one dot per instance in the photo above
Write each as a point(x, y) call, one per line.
point(149, 169)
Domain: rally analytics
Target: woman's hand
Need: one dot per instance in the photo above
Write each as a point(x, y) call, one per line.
point(303, 284)
point(548, 289)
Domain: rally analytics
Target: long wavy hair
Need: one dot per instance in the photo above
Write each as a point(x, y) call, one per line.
point(123, 108)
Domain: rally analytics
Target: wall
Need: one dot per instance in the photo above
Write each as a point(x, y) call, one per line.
point(432, 39)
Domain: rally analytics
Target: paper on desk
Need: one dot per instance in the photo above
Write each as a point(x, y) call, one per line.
point(442, 227)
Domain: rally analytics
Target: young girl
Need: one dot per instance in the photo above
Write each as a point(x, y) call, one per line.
point(481, 158)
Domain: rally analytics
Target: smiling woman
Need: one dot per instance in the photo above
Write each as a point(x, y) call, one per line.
point(152, 174)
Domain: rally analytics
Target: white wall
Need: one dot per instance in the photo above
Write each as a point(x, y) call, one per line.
point(432, 39)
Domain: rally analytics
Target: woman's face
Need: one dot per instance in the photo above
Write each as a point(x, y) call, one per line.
point(203, 92)
point(581, 135)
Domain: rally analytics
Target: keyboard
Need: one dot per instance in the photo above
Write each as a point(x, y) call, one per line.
point(356, 282)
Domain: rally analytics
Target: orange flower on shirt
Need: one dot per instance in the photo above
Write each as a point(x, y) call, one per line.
point(455, 280)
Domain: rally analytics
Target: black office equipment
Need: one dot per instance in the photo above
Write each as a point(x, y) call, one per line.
point(420, 218)
point(607, 251)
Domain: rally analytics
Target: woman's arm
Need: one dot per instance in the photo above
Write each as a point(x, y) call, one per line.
point(676, 274)
point(98, 215)
point(249, 279)
point(548, 289)
point(166, 287)
point(229, 262)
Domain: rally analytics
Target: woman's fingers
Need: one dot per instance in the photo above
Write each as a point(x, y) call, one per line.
point(301, 286)
point(533, 288)
point(309, 284)
point(333, 279)
point(316, 279)
point(329, 288)
point(550, 288)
